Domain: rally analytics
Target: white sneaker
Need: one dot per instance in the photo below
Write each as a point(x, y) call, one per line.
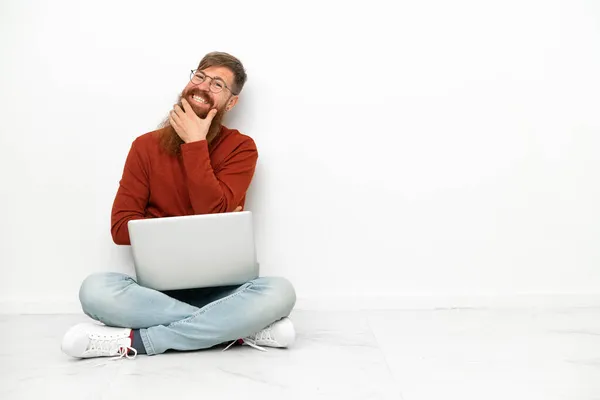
point(89, 340)
point(279, 334)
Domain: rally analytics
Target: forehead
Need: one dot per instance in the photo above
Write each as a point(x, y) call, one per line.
point(220, 72)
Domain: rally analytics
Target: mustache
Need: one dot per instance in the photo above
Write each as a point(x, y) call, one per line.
point(202, 93)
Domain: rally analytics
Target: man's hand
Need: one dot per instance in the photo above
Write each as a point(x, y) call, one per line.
point(188, 125)
point(239, 208)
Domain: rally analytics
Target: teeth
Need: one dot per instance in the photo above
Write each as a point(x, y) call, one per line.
point(199, 99)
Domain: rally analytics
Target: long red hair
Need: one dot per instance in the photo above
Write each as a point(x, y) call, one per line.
point(171, 142)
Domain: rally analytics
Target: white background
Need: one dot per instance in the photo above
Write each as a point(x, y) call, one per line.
point(411, 153)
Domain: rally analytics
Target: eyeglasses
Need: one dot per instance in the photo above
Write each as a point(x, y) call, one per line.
point(216, 84)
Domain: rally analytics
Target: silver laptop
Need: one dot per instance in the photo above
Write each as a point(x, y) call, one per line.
point(194, 251)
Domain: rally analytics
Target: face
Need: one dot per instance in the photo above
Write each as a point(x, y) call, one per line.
point(202, 99)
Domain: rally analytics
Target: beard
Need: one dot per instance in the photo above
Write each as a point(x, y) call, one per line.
point(170, 140)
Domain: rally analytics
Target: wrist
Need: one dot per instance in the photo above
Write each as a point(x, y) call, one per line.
point(196, 139)
point(190, 141)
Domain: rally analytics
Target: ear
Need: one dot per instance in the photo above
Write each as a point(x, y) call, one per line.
point(232, 102)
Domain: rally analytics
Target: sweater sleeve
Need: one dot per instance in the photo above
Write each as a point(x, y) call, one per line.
point(221, 190)
point(132, 196)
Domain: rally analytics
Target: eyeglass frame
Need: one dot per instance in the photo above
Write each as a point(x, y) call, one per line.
point(193, 74)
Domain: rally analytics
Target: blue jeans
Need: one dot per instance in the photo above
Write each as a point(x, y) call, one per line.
point(186, 319)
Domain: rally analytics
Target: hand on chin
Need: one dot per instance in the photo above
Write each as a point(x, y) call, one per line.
point(190, 126)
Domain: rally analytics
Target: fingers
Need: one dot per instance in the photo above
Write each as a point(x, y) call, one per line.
point(173, 115)
point(177, 110)
point(211, 115)
point(174, 122)
point(238, 209)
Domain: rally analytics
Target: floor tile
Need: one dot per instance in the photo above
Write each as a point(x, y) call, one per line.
point(500, 354)
point(335, 356)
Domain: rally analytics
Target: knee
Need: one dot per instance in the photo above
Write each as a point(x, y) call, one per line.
point(98, 290)
point(280, 293)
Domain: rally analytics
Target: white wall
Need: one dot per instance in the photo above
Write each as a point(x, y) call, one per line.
point(411, 153)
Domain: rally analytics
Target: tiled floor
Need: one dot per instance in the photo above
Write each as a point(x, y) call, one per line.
point(411, 355)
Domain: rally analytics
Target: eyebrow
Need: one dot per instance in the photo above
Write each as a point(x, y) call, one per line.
point(215, 77)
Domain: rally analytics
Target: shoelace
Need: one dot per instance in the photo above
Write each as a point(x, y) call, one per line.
point(251, 341)
point(105, 345)
point(248, 342)
point(265, 334)
point(124, 352)
point(253, 344)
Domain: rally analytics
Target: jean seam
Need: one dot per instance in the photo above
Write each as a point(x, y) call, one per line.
point(148, 346)
point(211, 305)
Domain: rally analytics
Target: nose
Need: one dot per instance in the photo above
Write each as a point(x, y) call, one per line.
point(205, 85)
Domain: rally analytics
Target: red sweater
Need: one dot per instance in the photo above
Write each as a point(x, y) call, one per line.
point(156, 184)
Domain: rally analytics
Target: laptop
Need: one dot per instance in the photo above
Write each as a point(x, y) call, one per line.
point(196, 251)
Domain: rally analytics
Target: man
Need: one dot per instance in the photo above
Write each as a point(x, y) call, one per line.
point(191, 165)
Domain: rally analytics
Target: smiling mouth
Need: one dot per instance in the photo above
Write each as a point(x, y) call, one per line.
point(199, 99)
